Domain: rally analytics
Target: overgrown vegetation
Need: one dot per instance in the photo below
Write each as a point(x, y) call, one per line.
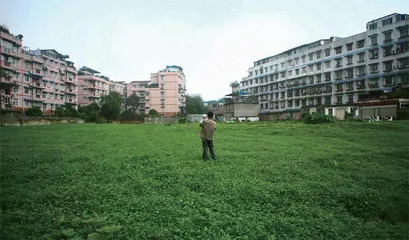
point(316, 118)
point(283, 180)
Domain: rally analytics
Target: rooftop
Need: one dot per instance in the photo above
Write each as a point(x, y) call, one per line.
point(90, 70)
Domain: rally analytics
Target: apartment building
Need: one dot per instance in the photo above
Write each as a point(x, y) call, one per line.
point(140, 89)
point(118, 86)
point(91, 86)
point(169, 97)
point(45, 78)
point(332, 75)
point(165, 92)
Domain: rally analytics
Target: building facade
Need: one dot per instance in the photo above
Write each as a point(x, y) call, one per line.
point(165, 92)
point(45, 78)
point(91, 86)
point(331, 75)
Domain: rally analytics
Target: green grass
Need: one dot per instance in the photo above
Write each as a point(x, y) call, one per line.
point(273, 181)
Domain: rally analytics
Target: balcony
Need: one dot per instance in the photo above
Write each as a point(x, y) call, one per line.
point(373, 85)
point(387, 40)
point(339, 90)
point(11, 38)
point(361, 74)
point(388, 69)
point(374, 71)
point(360, 86)
point(349, 89)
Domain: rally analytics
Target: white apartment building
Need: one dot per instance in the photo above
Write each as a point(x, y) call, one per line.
point(331, 75)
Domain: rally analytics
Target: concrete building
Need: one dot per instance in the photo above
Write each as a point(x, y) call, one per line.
point(331, 75)
point(140, 89)
point(169, 97)
point(238, 106)
point(91, 86)
point(45, 78)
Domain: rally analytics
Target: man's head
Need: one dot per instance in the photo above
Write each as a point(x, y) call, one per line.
point(210, 115)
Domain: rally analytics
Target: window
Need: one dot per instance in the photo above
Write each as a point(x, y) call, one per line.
point(310, 57)
point(339, 99)
point(387, 66)
point(7, 100)
point(361, 57)
point(327, 76)
point(349, 73)
point(311, 78)
point(303, 59)
point(27, 65)
point(350, 98)
point(388, 80)
point(327, 64)
point(318, 78)
point(349, 60)
point(374, 40)
point(373, 54)
point(44, 83)
point(404, 32)
point(85, 99)
point(26, 104)
point(360, 71)
point(26, 91)
point(282, 66)
point(360, 84)
point(327, 52)
point(338, 50)
point(311, 67)
point(318, 54)
point(15, 102)
point(297, 71)
point(44, 95)
point(338, 62)
point(373, 26)
point(338, 75)
point(297, 60)
point(27, 79)
point(360, 44)
point(318, 66)
point(61, 97)
point(388, 36)
point(349, 46)
point(387, 51)
point(387, 21)
point(15, 90)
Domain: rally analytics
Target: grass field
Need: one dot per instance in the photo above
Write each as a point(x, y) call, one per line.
point(272, 181)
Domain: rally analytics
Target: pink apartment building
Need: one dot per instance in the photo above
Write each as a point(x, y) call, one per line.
point(91, 86)
point(45, 78)
point(169, 98)
point(165, 92)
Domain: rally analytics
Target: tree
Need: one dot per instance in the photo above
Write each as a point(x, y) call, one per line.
point(133, 102)
point(153, 113)
point(5, 86)
point(194, 104)
point(111, 106)
point(34, 111)
point(234, 85)
point(89, 113)
point(66, 111)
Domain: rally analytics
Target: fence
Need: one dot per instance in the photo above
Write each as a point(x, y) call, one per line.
point(26, 121)
point(161, 120)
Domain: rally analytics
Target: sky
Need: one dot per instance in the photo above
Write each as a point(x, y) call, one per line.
point(214, 41)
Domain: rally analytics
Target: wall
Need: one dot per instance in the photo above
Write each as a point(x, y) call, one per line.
point(16, 121)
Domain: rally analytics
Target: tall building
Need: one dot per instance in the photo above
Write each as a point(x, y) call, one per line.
point(165, 92)
point(45, 78)
point(331, 75)
point(169, 98)
point(91, 86)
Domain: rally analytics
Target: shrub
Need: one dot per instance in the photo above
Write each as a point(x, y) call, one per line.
point(34, 111)
point(182, 120)
point(403, 114)
point(316, 118)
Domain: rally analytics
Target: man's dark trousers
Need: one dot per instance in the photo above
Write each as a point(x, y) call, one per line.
point(208, 144)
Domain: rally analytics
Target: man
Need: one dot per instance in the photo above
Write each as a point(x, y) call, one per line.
point(208, 127)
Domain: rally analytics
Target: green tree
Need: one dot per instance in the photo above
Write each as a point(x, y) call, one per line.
point(194, 104)
point(111, 106)
point(66, 111)
point(34, 111)
point(133, 102)
point(90, 113)
point(5, 87)
point(153, 113)
point(60, 112)
point(234, 85)
point(128, 115)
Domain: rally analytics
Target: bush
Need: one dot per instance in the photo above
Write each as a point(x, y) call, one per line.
point(128, 115)
point(403, 114)
point(34, 111)
point(182, 120)
point(316, 118)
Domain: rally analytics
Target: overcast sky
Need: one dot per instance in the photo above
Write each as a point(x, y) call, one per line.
point(215, 41)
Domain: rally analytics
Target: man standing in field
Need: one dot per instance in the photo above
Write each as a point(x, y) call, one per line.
point(208, 127)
